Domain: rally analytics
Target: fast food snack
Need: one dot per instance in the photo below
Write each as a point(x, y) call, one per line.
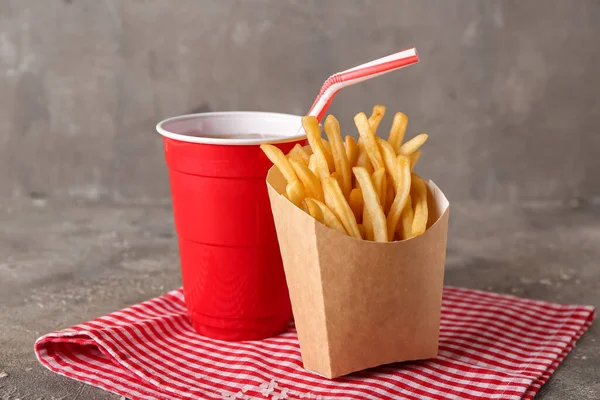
point(369, 183)
point(362, 295)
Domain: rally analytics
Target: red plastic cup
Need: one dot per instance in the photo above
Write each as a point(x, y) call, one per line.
point(233, 277)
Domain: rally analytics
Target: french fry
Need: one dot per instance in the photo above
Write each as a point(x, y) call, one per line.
point(276, 156)
point(329, 218)
point(337, 177)
point(368, 137)
point(351, 150)
point(398, 131)
point(383, 190)
point(304, 206)
point(340, 159)
point(328, 154)
point(334, 199)
point(407, 219)
point(389, 199)
point(389, 159)
point(372, 204)
point(419, 224)
point(413, 144)
point(295, 192)
point(308, 178)
point(402, 195)
point(379, 182)
point(356, 204)
point(313, 134)
point(368, 225)
point(313, 209)
point(414, 157)
point(312, 165)
point(294, 152)
point(376, 117)
point(363, 158)
point(299, 152)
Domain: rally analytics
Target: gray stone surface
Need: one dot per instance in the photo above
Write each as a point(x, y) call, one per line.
point(508, 90)
point(67, 263)
point(63, 264)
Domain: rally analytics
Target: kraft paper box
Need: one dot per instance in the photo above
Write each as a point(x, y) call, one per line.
point(359, 304)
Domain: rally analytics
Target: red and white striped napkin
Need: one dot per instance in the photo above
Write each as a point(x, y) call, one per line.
point(491, 346)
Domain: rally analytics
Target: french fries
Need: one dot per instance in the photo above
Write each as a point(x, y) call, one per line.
point(313, 134)
point(420, 203)
point(408, 214)
point(363, 158)
point(351, 150)
point(414, 157)
point(379, 183)
point(329, 217)
point(295, 192)
point(312, 164)
point(368, 225)
point(398, 131)
point(402, 194)
point(328, 155)
point(372, 204)
point(413, 144)
point(340, 159)
point(357, 204)
point(364, 189)
point(276, 156)
point(334, 199)
point(309, 179)
point(389, 158)
point(313, 209)
point(389, 198)
point(376, 117)
point(368, 138)
point(299, 152)
point(336, 175)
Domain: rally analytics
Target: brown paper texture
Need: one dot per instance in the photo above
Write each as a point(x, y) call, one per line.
point(359, 304)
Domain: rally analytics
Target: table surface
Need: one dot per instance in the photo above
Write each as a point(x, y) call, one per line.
point(61, 264)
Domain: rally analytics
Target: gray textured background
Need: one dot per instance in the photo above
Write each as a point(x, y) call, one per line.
point(509, 90)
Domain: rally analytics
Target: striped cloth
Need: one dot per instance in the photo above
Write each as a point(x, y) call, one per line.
point(491, 346)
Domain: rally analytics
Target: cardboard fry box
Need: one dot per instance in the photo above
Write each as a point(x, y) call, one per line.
point(359, 304)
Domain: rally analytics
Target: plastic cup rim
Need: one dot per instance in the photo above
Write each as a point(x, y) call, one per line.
point(298, 135)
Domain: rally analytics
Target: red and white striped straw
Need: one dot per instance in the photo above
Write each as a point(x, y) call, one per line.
point(358, 74)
